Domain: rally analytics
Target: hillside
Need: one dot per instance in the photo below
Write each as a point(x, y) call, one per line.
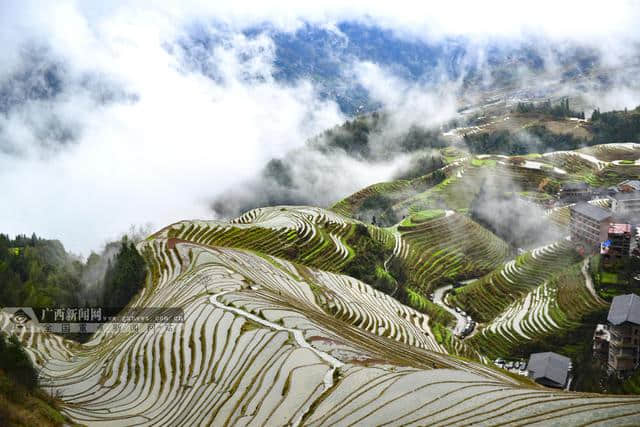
point(264, 338)
point(303, 315)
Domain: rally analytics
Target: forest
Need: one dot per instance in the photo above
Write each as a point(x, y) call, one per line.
point(37, 272)
point(611, 126)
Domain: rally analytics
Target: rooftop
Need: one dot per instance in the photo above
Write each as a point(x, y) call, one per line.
point(631, 183)
point(619, 228)
point(574, 186)
point(549, 365)
point(632, 195)
point(594, 212)
point(625, 308)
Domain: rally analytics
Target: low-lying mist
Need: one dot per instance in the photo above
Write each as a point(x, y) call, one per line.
point(129, 114)
point(499, 207)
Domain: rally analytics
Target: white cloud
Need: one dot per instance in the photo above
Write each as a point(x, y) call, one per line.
point(181, 136)
point(161, 157)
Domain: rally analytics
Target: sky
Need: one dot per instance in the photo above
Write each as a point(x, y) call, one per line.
point(130, 133)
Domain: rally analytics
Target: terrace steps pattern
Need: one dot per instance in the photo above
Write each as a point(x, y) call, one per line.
point(614, 151)
point(555, 307)
point(450, 246)
point(314, 236)
point(489, 296)
point(261, 345)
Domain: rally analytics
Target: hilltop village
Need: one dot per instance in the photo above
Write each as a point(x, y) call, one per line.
point(613, 234)
point(604, 225)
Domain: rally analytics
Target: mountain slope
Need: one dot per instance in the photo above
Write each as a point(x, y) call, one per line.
point(268, 341)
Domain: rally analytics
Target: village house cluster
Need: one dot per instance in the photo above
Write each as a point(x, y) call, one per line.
point(616, 344)
point(615, 232)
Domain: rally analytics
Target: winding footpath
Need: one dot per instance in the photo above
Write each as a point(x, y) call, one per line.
point(438, 298)
point(297, 335)
point(589, 280)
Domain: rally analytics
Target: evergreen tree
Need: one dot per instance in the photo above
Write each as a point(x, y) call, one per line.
point(15, 362)
point(124, 276)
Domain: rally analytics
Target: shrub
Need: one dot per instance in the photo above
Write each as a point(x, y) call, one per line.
point(16, 363)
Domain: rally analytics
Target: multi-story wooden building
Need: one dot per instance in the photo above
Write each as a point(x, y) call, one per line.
point(618, 243)
point(589, 224)
point(575, 192)
point(624, 330)
point(625, 203)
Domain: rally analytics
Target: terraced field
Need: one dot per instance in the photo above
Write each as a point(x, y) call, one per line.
point(452, 246)
point(268, 342)
point(552, 308)
point(275, 334)
point(488, 297)
point(313, 236)
point(612, 152)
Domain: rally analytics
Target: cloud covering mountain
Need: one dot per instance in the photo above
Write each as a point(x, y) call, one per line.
point(120, 113)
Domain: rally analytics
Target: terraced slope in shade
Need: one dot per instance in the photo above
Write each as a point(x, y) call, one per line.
point(489, 296)
point(399, 191)
point(553, 308)
point(452, 246)
point(258, 348)
point(313, 236)
point(575, 162)
point(614, 151)
point(350, 205)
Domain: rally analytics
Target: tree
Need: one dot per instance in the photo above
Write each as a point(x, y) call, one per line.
point(124, 276)
point(16, 363)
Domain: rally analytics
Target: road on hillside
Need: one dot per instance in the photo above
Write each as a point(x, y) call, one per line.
point(438, 298)
point(589, 280)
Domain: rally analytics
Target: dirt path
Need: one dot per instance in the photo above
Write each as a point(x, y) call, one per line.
point(298, 336)
point(589, 280)
point(438, 298)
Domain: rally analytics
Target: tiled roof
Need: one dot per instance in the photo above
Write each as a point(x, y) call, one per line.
point(627, 196)
point(594, 212)
point(625, 308)
point(549, 365)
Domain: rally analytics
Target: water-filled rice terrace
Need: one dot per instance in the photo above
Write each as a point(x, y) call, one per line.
point(275, 334)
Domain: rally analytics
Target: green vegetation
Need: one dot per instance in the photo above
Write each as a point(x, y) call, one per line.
point(421, 165)
point(367, 264)
point(612, 126)
point(483, 162)
point(124, 277)
point(37, 272)
point(629, 385)
point(439, 317)
point(575, 343)
point(22, 403)
point(422, 216)
point(487, 297)
point(560, 110)
point(552, 312)
point(615, 126)
point(536, 138)
point(615, 276)
point(15, 362)
point(354, 136)
point(380, 208)
point(449, 248)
